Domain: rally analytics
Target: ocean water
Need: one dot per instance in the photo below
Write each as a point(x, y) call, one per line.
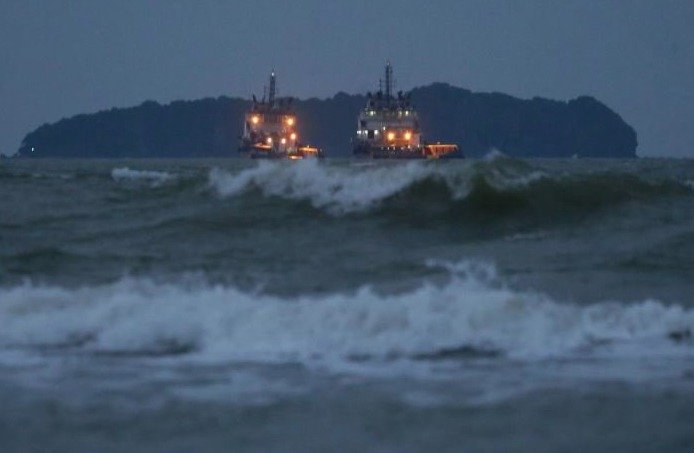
point(229, 305)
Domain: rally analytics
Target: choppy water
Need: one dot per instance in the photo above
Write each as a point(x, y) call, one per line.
point(496, 304)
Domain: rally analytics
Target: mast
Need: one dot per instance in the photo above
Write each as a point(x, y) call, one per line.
point(273, 89)
point(389, 81)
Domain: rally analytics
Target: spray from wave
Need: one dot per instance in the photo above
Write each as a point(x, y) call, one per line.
point(472, 312)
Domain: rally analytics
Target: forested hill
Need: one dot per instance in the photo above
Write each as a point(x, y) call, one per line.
point(477, 122)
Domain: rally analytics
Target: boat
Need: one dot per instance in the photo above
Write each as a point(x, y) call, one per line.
point(270, 129)
point(388, 127)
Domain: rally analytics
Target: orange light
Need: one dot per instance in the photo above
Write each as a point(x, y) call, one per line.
point(269, 140)
point(408, 135)
point(293, 136)
point(290, 121)
point(391, 136)
point(283, 141)
point(255, 119)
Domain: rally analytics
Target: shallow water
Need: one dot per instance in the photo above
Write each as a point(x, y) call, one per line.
point(483, 304)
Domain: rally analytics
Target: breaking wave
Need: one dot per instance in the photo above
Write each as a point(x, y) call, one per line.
point(338, 190)
point(497, 184)
point(473, 312)
point(151, 176)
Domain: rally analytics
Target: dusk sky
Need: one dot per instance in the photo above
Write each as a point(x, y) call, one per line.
point(60, 58)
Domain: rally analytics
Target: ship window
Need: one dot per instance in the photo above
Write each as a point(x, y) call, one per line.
point(363, 123)
point(371, 133)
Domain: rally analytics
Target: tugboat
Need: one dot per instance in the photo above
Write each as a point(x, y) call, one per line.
point(389, 128)
point(269, 129)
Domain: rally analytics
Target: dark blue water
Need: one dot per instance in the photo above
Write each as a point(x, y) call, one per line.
point(496, 304)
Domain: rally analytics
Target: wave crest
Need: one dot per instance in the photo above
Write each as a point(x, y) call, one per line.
point(338, 190)
point(342, 190)
point(473, 312)
point(154, 177)
point(500, 185)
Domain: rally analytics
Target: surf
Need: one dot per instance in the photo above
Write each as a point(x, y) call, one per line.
point(473, 312)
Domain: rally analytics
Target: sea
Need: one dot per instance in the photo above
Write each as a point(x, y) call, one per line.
point(492, 304)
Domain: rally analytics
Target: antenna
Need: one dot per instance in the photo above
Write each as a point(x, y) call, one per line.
point(389, 81)
point(273, 88)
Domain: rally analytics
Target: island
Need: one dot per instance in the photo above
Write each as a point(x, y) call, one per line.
point(477, 122)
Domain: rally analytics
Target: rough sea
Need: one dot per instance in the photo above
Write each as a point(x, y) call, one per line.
point(472, 305)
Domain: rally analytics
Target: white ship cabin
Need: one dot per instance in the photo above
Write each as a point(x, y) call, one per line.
point(389, 120)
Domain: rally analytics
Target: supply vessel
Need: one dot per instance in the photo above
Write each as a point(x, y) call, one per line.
point(388, 127)
point(270, 129)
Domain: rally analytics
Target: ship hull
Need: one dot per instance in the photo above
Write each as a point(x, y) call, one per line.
point(410, 152)
point(290, 156)
point(264, 153)
point(384, 153)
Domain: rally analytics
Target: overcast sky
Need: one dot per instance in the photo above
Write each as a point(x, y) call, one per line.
point(60, 58)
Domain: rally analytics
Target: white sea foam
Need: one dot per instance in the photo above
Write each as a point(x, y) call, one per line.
point(155, 178)
point(533, 236)
point(340, 190)
point(221, 323)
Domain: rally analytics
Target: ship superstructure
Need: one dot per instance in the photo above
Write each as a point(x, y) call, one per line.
point(270, 128)
point(389, 127)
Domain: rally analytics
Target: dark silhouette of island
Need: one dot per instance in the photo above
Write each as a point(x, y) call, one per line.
point(478, 122)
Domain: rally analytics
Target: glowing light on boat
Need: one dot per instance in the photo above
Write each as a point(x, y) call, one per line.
point(293, 136)
point(391, 136)
point(269, 140)
point(255, 119)
point(290, 121)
